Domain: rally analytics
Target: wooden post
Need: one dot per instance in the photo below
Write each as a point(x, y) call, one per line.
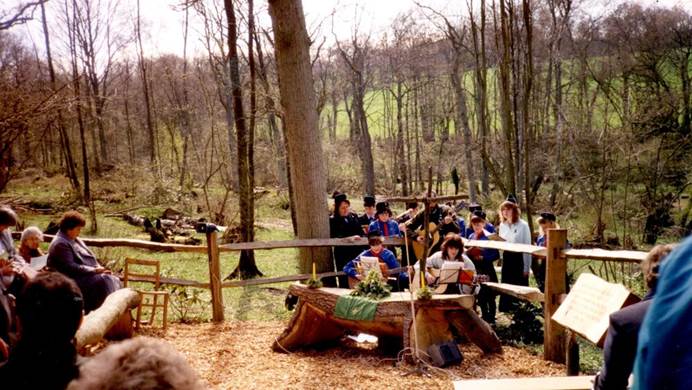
point(426, 229)
point(215, 277)
point(554, 336)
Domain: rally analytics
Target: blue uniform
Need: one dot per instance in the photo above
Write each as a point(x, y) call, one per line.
point(386, 229)
point(466, 231)
point(386, 256)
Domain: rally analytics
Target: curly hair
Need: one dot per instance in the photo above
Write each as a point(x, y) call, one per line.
point(650, 265)
point(142, 363)
point(71, 220)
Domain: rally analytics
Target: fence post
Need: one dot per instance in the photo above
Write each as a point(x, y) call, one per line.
point(215, 277)
point(554, 335)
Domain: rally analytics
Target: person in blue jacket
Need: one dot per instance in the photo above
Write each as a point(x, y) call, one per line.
point(483, 259)
point(383, 254)
point(664, 349)
point(384, 222)
point(467, 230)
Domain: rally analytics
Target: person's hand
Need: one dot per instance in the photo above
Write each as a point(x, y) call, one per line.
point(359, 277)
point(402, 227)
point(6, 267)
point(429, 278)
point(102, 270)
point(420, 239)
point(354, 238)
point(448, 220)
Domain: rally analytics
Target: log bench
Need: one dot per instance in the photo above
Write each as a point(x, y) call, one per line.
point(314, 322)
point(113, 316)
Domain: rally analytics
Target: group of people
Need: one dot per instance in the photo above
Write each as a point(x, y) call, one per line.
point(42, 307)
point(378, 221)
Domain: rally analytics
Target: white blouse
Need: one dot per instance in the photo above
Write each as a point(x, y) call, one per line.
point(517, 233)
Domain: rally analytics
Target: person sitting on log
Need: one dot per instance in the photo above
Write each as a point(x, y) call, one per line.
point(343, 224)
point(69, 255)
point(142, 363)
point(29, 243)
point(369, 216)
point(466, 229)
point(483, 259)
point(384, 256)
point(443, 219)
point(452, 250)
point(620, 345)
point(50, 310)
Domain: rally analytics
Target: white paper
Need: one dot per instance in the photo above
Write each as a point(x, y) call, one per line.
point(38, 263)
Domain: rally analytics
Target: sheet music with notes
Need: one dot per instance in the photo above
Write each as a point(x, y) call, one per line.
point(367, 263)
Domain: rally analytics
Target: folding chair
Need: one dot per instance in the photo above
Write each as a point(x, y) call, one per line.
point(154, 277)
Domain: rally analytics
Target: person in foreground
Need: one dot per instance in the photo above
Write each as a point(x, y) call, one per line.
point(383, 255)
point(69, 255)
point(621, 341)
point(452, 250)
point(664, 349)
point(141, 363)
point(49, 310)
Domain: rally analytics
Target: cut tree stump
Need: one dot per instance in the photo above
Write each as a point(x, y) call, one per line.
point(314, 323)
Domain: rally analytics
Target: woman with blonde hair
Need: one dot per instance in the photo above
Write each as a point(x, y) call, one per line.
point(515, 265)
point(29, 243)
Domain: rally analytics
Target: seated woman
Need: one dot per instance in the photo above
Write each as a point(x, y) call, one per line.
point(452, 249)
point(69, 255)
point(483, 259)
point(383, 255)
point(28, 247)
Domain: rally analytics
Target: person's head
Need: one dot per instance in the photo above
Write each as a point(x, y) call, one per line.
point(31, 237)
point(142, 363)
point(375, 240)
point(509, 212)
point(478, 222)
point(433, 195)
point(369, 204)
point(72, 223)
point(452, 247)
point(49, 309)
point(7, 217)
point(341, 204)
point(382, 211)
point(412, 206)
point(652, 263)
point(547, 220)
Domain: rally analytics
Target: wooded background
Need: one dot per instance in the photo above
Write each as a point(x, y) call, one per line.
point(584, 114)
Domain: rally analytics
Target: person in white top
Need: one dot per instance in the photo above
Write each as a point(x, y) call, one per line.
point(515, 265)
point(452, 249)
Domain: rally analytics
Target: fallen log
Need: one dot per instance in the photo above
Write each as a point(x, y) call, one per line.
point(97, 323)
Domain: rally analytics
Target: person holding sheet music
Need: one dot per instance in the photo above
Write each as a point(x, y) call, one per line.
point(515, 265)
point(452, 250)
point(483, 259)
point(383, 255)
point(29, 243)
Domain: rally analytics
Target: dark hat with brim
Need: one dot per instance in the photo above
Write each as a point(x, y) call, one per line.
point(474, 206)
point(382, 207)
point(339, 198)
point(548, 216)
point(368, 201)
point(512, 198)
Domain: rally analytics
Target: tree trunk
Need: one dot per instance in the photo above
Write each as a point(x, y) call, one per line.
point(303, 138)
point(247, 267)
point(145, 89)
point(462, 124)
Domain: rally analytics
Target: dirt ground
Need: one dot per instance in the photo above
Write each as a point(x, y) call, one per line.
point(238, 355)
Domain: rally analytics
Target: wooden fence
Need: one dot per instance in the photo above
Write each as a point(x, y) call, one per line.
point(555, 253)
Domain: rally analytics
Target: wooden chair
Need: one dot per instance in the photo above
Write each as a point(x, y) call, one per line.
point(154, 277)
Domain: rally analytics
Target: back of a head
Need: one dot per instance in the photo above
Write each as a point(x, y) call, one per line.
point(650, 265)
point(141, 363)
point(50, 308)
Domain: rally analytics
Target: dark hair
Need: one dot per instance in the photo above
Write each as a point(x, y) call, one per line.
point(71, 220)
point(50, 308)
point(452, 241)
point(7, 216)
point(651, 265)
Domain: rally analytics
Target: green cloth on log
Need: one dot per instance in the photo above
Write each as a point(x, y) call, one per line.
point(355, 308)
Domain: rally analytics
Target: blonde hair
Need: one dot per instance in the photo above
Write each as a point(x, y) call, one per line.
point(142, 363)
point(653, 259)
point(31, 231)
